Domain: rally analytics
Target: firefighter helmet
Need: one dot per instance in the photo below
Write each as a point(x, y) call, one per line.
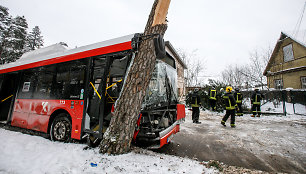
point(229, 89)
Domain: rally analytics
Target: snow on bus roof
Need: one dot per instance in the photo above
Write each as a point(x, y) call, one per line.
point(58, 50)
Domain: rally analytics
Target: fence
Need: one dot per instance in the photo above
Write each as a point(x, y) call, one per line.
point(279, 98)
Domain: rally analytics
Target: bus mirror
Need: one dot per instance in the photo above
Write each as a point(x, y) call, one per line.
point(160, 49)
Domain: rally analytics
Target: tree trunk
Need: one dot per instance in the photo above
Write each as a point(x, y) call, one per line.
point(117, 138)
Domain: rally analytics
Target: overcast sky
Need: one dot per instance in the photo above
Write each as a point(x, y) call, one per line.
point(222, 31)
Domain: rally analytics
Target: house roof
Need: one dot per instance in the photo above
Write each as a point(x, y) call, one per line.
point(282, 37)
point(169, 45)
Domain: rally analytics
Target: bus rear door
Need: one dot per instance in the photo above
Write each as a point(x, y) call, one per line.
point(8, 88)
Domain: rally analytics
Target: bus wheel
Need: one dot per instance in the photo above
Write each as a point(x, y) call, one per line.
point(61, 128)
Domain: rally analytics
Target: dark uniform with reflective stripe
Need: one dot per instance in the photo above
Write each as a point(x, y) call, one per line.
point(213, 99)
point(255, 101)
point(238, 97)
point(229, 102)
point(195, 104)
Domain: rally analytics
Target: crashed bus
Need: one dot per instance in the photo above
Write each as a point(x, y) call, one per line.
point(71, 93)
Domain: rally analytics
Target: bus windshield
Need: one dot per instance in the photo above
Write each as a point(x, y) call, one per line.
point(162, 88)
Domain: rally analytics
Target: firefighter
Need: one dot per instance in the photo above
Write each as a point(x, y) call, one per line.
point(255, 101)
point(195, 104)
point(213, 99)
point(229, 102)
point(238, 97)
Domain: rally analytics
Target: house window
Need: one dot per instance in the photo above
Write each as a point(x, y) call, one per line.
point(278, 84)
point(288, 53)
point(303, 81)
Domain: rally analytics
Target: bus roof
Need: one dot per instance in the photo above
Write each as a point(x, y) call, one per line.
point(57, 54)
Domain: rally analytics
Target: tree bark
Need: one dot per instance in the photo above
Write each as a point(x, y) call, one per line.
point(118, 137)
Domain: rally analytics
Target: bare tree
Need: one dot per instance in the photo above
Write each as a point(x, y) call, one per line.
point(233, 75)
point(118, 136)
point(250, 74)
point(195, 67)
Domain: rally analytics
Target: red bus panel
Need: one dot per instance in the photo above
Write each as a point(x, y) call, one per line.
point(35, 114)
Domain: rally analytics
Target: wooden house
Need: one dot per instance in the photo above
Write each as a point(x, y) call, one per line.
point(287, 65)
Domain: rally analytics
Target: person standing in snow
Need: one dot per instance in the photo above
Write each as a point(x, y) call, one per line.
point(238, 97)
point(213, 99)
point(229, 102)
point(256, 101)
point(195, 104)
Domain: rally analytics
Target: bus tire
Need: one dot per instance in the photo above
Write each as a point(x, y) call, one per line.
point(61, 128)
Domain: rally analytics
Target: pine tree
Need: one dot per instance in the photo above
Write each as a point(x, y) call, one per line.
point(118, 136)
point(13, 35)
point(34, 39)
point(5, 33)
point(19, 34)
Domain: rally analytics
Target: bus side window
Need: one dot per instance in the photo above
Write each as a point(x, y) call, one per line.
point(44, 82)
point(27, 85)
point(70, 80)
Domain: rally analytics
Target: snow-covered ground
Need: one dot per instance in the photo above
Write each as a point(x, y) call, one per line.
point(266, 138)
point(22, 153)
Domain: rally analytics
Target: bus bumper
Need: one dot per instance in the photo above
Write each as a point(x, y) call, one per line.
point(166, 135)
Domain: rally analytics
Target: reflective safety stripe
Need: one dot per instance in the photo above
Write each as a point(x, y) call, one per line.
point(196, 103)
point(230, 107)
point(222, 121)
point(213, 97)
point(256, 100)
point(237, 100)
point(232, 124)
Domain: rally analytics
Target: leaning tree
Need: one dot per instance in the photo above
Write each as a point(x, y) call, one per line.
point(118, 137)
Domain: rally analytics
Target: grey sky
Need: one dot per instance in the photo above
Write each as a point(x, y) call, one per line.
point(223, 31)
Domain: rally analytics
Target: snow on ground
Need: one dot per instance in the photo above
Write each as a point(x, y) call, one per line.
point(269, 137)
point(22, 153)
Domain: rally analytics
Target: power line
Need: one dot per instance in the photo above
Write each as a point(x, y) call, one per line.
point(298, 24)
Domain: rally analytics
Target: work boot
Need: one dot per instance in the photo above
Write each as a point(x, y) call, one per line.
point(197, 122)
point(233, 125)
point(223, 123)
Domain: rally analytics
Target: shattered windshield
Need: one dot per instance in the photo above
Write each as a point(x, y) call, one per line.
point(162, 89)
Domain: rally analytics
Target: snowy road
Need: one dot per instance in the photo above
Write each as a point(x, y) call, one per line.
point(268, 143)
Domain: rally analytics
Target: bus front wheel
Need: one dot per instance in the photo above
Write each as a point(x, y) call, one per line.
point(61, 128)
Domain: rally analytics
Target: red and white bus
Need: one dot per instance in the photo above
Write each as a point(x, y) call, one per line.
point(70, 93)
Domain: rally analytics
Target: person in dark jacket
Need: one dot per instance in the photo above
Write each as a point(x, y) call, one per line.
point(213, 99)
point(238, 97)
point(229, 102)
point(256, 101)
point(195, 104)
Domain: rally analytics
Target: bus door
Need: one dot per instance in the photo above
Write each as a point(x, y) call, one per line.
point(105, 86)
point(8, 88)
point(95, 95)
